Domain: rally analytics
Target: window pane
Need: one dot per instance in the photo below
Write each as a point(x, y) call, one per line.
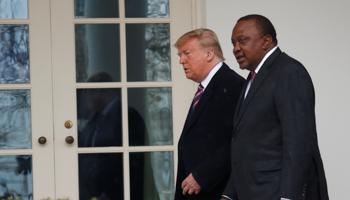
point(14, 54)
point(151, 175)
point(155, 107)
point(15, 120)
point(101, 176)
point(148, 52)
point(97, 48)
point(16, 177)
point(147, 8)
point(96, 8)
point(13, 9)
point(99, 117)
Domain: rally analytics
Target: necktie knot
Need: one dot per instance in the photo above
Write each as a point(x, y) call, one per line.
point(200, 87)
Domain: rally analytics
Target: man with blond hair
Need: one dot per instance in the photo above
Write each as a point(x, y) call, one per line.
point(204, 145)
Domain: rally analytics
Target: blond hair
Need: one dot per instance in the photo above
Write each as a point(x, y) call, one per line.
point(206, 39)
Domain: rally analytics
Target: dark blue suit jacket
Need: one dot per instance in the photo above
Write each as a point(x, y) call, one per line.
point(204, 146)
point(274, 146)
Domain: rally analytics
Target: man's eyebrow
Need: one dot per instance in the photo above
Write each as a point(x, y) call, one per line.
point(183, 51)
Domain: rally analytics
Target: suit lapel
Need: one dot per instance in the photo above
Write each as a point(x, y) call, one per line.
point(207, 94)
point(89, 131)
point(258, 80)
point(241, 99)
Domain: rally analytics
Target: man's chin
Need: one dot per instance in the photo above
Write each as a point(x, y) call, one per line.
point(243, 66)
point(189, 77)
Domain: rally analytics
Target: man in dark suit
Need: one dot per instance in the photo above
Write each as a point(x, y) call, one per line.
point(204, 146)
point(101, 174)
point(275, 153)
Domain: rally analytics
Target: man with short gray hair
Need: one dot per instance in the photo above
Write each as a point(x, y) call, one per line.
point(204, 146)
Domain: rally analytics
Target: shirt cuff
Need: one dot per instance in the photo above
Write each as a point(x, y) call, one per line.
point(226, 197)
point(285, 199)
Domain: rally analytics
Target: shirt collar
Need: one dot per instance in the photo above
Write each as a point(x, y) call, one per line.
point(211, 74)
point(264, 59)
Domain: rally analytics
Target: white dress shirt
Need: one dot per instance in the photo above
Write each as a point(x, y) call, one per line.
point(258, 68)
point(211, 74)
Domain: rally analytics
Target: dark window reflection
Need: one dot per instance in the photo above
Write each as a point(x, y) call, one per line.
point(97, 48)
point(101, 176)
point(16, 179)
point(154, 174)
point(96, 8)
point(150, 45)
point(147, 8)
point(99, 117)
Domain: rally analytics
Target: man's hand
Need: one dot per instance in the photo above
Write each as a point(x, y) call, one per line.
point(190, 185)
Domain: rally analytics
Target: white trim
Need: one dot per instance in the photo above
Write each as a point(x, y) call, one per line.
point(199, 14)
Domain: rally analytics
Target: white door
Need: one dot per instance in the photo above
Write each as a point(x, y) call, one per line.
point(104, 88)
point(26, 104)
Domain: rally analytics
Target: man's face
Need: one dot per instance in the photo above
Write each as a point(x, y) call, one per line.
point(95, 100)
point(248, 45)
point(193, 60)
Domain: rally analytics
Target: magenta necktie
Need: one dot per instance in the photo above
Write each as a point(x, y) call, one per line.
point(252, 77)
point(198, 95)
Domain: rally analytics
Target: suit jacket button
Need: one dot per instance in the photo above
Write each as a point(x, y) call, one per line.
point(233, 139)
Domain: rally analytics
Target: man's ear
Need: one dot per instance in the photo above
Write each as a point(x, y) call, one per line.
point(210, 54)
point(267, 42)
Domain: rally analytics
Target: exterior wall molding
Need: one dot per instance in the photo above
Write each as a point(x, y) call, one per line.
point(199, 19)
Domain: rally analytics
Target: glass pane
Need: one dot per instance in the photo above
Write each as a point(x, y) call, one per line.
point(15, 120)
point(13, 9)
point(147, 8)
point(150, 44)
point(14, 54)
point(16, 179)
point(96, 8)
point(155, 107)
point(97, 49)
point(101, 176)
point(99, 117)
point(152, 176)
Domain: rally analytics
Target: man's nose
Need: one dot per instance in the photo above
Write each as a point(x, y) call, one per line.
point(182, 60)
point(236, 49)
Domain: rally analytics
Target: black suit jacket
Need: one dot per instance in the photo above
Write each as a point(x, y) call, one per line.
point(103, 172)
point(274, 146)
point(204, 146)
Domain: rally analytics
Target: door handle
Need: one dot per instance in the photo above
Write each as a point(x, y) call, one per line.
point(68, 124)
point(69, 140)
point(42, 140)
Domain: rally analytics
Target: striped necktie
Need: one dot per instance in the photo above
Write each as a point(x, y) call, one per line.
point(198, 95)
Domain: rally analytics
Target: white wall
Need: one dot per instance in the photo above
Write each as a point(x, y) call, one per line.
point(315, 32)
